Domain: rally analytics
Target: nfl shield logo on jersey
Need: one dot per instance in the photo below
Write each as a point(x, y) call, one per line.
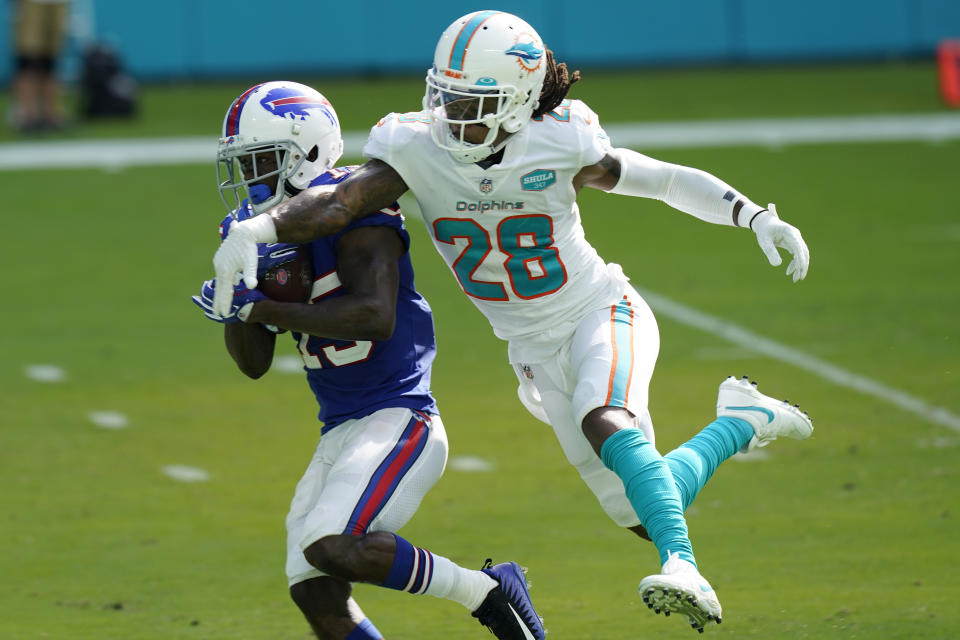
point(486, 185)
point(527, 371)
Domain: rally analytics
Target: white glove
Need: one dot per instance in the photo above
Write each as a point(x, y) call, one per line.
point(772, 232)
point(237, 256)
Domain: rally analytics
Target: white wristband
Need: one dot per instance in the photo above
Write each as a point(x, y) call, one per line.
point(747, 216)
point(261, 228)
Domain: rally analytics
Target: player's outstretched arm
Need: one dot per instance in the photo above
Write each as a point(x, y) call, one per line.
point(322, 211)
point(313, 213)
point(699, 194)
point(368, 269)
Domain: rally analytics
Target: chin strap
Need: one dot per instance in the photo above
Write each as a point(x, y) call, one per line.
point(289, 190)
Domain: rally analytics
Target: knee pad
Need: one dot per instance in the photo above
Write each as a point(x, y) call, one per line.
point(40, 64)
point(569, 433)
point(530, 399)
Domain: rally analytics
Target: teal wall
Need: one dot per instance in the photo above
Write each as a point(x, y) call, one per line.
point(209, 38)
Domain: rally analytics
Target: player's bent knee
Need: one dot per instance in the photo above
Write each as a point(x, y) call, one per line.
point(323, 597)
point(602, 422)
point(343, 556)
point(322, 554)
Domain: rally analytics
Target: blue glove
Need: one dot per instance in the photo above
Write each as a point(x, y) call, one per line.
point(243, 301)
point(268, 255)
point(243, 212)
point(273, 255)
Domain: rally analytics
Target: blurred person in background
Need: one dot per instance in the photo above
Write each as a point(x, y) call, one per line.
point(495, 160)
point(39, 31)
point(367, 342)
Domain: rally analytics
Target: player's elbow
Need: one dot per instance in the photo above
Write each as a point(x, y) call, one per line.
point(381, 329)
point(253, 368)
point(251, 347)
point(382, 334)
point(376, 321)
point(254, 372)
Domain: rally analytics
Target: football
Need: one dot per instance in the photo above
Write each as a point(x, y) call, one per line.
point(290, 281)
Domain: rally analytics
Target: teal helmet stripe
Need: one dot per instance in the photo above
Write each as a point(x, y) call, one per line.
point(464, 37)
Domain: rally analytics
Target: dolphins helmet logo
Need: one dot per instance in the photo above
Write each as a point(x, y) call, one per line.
point(285, 101)
point(528, 51)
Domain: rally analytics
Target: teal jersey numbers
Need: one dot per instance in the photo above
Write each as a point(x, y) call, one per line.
point(532, 266)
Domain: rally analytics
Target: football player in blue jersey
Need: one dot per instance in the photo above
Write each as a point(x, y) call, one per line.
point(495, 159)
point(367, 342)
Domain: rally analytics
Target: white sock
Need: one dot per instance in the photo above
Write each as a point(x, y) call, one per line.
point(453, 582)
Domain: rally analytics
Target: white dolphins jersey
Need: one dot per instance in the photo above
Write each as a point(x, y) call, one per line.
point(511, 234)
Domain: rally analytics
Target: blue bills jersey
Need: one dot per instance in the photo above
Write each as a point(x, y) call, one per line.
point(352, 379)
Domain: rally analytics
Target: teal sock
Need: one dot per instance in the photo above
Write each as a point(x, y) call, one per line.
point(693, 462)
point(651, 489)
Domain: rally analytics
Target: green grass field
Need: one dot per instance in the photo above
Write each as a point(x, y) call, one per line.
point(851, 534)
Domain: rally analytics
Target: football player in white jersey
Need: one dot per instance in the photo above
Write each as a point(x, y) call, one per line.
point(495, 160)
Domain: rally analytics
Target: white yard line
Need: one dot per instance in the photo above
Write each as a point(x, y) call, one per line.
point(754, 342)
point(184, 473)
point(768, 132)
point(777, 132)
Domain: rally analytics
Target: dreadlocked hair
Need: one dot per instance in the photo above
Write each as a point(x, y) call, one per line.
point(556, 84)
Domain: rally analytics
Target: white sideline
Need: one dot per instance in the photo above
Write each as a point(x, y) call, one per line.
point(932, 128)
point(766, 132)
point(749, 340)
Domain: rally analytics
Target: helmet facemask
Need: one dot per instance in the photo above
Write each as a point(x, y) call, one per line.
point(258, 172)
point(455, 107)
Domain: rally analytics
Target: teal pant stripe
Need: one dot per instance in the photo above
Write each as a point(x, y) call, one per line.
point(651, 489)
point(693, 462)
point(623, 342)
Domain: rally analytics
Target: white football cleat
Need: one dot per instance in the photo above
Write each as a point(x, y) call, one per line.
point(769, 418)
point(681, 589)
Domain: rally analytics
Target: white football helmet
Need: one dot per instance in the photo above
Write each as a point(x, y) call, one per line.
point(283, 129)
point(488, 69)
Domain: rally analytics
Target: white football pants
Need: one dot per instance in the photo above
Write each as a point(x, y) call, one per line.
point(608, 360)
point(368, 474)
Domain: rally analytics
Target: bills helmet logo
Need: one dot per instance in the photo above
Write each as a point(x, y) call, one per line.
point(285, 101)
point(528, 51)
